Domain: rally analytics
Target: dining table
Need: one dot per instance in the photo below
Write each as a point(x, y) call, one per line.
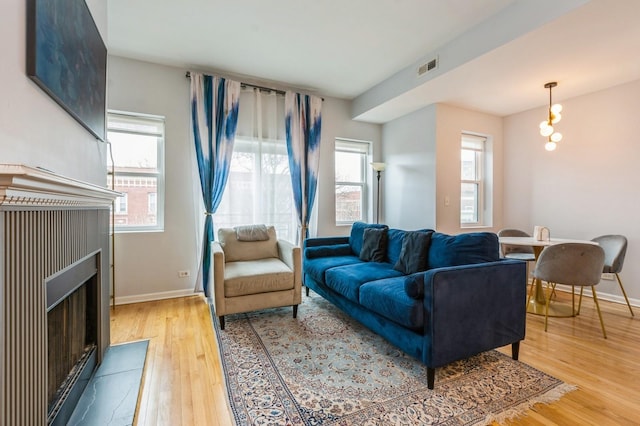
point(537, 304)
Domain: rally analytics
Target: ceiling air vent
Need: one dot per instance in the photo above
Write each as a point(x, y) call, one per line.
point(428, 66)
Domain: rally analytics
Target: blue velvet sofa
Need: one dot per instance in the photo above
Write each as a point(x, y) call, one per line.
point(440, 298)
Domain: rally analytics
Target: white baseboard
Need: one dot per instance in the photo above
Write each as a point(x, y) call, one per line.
point(137, 298)
point(604, 296)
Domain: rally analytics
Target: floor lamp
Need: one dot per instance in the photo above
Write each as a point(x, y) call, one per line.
point(378, 168)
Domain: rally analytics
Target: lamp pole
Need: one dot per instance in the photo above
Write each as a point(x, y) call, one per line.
point(378, 168)
point(378, 200)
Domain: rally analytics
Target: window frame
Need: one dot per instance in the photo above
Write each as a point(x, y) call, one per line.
point(159, 175)
point(480, 180)
point(363, 148)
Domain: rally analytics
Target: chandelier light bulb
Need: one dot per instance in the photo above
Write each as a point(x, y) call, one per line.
point(546, 127)
point(546, 131)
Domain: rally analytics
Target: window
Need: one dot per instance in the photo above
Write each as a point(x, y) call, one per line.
point(258, 189)
point(473, 168)
point(137, 147)
point(351, 181)
point(152, 203)
point(121, 204)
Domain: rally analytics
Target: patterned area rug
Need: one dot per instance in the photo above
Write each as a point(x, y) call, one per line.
point(324, 368)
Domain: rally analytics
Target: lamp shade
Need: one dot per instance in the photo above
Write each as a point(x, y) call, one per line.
point(378, 167)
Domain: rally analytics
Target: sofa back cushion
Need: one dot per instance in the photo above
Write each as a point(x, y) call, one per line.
point(374, 245)
point(395, 237)
point(235, 250)
point(414, 254)
point(357, 235)
point(463, 249)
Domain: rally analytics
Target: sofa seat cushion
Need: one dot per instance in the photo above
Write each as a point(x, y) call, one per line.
point(389, 299)
point(256, 276)
point(316, 267)
point(346, 280)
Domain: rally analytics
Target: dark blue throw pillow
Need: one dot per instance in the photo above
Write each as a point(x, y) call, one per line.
point(357, 235)
point(374, 245)
point(414, 254)
point(463, 249)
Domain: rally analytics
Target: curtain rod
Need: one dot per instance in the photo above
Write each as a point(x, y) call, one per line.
point(243, 84)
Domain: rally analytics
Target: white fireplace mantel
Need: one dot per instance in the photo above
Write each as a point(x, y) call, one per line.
point(23, 186)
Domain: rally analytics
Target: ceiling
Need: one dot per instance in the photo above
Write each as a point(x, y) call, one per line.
point(348, 49)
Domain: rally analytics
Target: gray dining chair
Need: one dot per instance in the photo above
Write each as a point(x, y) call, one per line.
point(615, 249)
point(510, 251)
point(574, 264)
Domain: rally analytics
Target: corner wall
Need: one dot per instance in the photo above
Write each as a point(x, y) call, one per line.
point(147, 264)
point(589, 185)
point(34, 129)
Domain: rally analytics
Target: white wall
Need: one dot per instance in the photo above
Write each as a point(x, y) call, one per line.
point(451, 123)
point(34, 129)
point(409, 182)
point(589, 185)
point(147, 264)
point(336, 123)
point(422, 150)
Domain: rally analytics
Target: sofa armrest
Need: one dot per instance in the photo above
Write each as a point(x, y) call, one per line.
point(217, 283)
point(473, 308)
point(291, 256)
point(325, 241)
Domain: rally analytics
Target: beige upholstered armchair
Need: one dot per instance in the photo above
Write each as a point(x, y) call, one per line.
point(252, 270)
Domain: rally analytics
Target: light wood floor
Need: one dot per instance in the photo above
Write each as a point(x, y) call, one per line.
point(183, 382)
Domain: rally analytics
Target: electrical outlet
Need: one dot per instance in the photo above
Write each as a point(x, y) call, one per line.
point(184, 274)
point(609, 277)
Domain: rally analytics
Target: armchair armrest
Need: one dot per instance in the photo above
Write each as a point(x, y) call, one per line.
point(218, 274)
point(474, 308)
point(291, 256)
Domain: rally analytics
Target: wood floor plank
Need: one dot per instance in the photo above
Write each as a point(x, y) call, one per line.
point(183, 382)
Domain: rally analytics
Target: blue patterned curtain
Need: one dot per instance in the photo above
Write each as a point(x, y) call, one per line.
point(214, 117)
point(303, 121)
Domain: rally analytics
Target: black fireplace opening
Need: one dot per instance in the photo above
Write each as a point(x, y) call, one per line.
point(72, 336)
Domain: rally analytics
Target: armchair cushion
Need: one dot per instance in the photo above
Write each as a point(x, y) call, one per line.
point(256, 276)
point(235, 250)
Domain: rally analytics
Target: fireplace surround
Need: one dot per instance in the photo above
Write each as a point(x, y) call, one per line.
point(52, 229)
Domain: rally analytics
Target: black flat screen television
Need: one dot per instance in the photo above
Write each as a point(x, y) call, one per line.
point(67, 58)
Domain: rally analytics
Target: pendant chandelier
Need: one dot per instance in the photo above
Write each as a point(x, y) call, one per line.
point(546, 127)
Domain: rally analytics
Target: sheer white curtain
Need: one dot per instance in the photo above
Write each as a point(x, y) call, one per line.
point(259, 185)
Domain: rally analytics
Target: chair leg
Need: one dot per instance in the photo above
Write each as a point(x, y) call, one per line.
point(295, 311)
point(595, 299)
point(306, 289)
point(580, 301)
point(624, 293)
point(221, 318)
point(546, 306)
point(533, 284)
